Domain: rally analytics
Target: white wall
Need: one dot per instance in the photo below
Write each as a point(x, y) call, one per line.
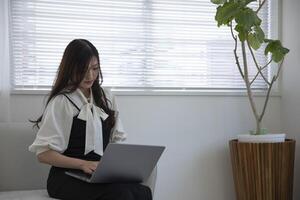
point(290, 80)
point(195, 130)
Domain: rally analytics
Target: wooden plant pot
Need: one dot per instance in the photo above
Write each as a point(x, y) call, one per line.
point(263, 171)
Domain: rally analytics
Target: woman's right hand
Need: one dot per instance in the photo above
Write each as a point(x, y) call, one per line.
point(89, 166)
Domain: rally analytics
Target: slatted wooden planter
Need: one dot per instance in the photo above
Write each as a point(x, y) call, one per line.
point(263, 171)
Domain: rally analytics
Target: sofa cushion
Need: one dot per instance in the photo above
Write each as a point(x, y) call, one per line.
point(19, 168)
point(25, 195)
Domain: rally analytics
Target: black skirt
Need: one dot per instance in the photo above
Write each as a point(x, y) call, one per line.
point(62, 186)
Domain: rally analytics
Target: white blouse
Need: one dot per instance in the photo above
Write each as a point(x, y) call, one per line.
point(57, 121)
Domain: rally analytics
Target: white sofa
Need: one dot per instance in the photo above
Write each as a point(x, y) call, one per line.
point(22, 177)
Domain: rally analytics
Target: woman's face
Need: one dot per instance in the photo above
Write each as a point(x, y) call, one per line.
point(90, 75)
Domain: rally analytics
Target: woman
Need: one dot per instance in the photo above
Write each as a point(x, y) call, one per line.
point(76, 126)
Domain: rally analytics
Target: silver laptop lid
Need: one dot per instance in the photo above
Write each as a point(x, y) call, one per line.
point(127, 162)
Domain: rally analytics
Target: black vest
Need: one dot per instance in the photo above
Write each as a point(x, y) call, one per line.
point(76, 143)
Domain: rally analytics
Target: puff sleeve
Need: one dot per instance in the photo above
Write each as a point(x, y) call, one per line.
point(55, 127)
point(118, 134)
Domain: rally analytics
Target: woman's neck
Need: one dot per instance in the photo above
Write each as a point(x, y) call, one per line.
point(86, 92)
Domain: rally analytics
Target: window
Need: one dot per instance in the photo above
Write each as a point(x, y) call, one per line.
point(142, 43)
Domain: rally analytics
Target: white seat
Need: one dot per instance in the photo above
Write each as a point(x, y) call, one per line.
point(25, 195)
point(43, 195)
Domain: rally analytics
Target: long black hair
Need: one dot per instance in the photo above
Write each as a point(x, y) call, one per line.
point(71, 72)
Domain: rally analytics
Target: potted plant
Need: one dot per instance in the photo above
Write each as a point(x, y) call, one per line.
point(262, 164)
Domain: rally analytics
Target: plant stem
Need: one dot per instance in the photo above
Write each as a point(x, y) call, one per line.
point(235, 51)
point(261, 68)
point(279, 69)
point(267, 98)
point(248, 87)
point(260, 5)
point(256, 64)
point(268, 93)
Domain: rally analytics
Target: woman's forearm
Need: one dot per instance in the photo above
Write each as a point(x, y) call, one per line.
point(58, 160)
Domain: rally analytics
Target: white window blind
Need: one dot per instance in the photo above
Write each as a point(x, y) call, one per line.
point(142, 43)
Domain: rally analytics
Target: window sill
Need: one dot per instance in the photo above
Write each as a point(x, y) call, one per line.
point(163, 92)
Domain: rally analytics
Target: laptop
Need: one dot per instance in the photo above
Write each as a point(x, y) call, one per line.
point(123, 163)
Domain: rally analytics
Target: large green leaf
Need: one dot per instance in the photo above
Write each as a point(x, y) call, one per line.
point(256, 38)
point(226, 12)
point(276, 49)
point(242, 32)
point(247, 18)
point(218, 2)
point(260, 33)
point(253, 41)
